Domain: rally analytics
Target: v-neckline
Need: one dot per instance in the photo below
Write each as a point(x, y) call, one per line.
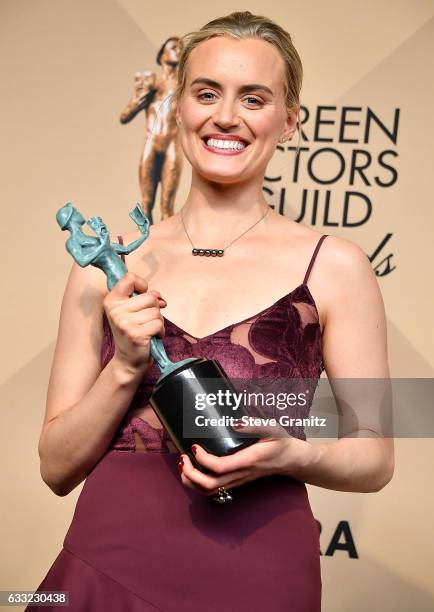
point(257, 314)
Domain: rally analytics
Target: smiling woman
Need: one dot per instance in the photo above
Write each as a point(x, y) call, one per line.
point(284, 303)
point(250, 88)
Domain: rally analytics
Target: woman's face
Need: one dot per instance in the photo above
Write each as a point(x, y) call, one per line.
point(234, 88)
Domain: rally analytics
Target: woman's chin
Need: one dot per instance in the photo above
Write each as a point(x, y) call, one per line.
point(224, 177)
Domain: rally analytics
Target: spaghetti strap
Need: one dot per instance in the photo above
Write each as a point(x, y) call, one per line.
point(306, 277)
point(120, 240)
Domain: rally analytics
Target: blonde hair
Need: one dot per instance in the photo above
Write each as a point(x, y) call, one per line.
point(241, 25)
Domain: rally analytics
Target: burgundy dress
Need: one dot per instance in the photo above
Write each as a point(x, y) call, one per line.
point(141, 540)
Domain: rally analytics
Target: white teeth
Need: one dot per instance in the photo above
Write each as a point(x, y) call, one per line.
point(225, 144)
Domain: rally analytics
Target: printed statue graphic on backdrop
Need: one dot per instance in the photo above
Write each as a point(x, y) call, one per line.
point(162, 157)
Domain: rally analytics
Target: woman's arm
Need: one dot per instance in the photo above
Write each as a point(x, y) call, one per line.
point(354, 347)
point(84, 404)
point(354, 465)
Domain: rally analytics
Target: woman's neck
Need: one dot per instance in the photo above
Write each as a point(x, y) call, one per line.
point(214, 211)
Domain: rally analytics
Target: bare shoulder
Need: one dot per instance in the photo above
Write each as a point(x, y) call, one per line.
point(342, 273)
point(339, 258)
point(347, 279)
point(346, 262)
point(292, 231)
point(89, 282)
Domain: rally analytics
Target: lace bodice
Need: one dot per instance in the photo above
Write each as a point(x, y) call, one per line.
point(280, 342)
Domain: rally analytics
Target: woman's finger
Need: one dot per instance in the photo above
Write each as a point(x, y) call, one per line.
point(208, 482)
point(126, 285)
point(144, 316)
point(138, 302)
point(188, 483)
point(185, 479)
point(233, 484)
point(156, 293)
point(240, 460)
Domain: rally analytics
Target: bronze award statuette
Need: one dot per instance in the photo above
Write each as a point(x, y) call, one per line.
point(175, 392)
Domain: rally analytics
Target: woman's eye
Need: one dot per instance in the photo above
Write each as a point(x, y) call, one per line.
point(205, 93)
point(255, 100)
point(209, 95)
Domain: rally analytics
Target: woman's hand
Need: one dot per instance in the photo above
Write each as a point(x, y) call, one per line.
point(134, 321)
point(275, 453)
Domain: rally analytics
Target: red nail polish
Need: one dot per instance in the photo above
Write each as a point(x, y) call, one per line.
point(180, 465)
point(194, 448)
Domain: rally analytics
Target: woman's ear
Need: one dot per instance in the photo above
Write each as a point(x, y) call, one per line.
point(290, 124)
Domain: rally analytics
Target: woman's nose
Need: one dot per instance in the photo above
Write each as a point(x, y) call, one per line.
point(226, 114)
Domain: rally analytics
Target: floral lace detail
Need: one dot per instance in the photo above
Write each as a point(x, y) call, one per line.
point(281, 342)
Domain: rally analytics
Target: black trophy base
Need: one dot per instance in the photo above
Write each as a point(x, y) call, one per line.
point(173, 399)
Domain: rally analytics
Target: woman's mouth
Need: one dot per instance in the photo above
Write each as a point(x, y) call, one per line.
point(224, 147)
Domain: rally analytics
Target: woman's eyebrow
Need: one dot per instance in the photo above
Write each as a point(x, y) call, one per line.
point(243, 88)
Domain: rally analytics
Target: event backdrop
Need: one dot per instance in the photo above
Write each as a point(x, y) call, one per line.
point(364, 173)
